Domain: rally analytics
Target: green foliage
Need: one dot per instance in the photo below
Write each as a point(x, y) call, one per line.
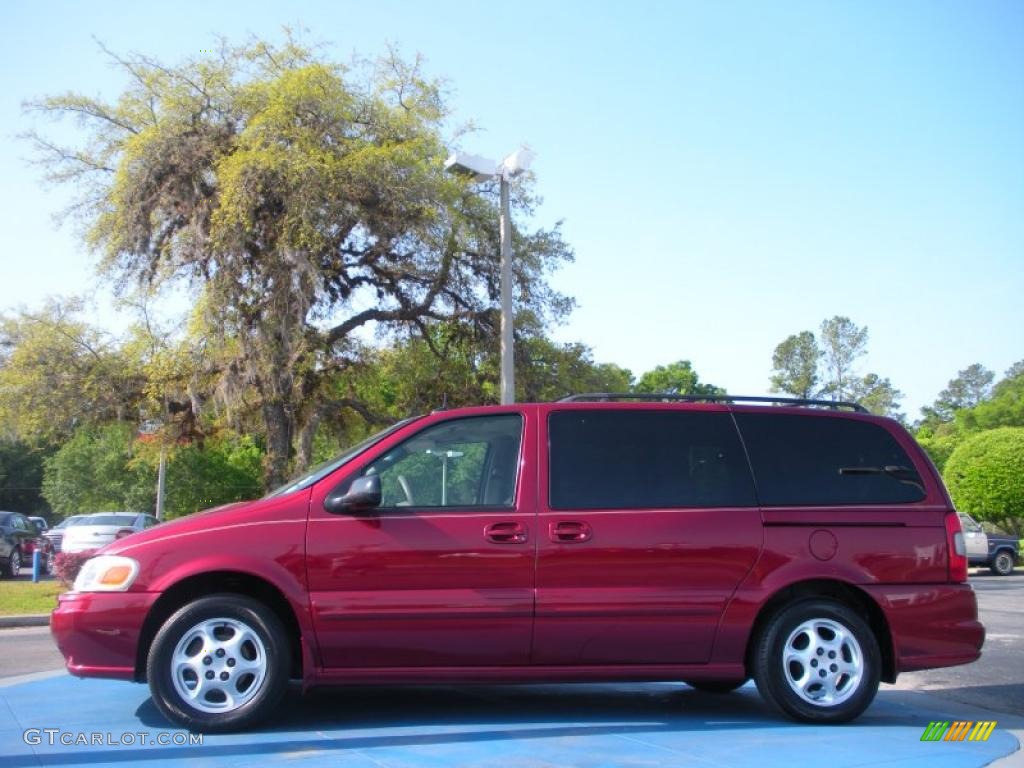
point(219, 472)
point(970, 387)
point(843, 342)
point(57, 372)
point(985, 475)
point(878, 395)
point(106, 469)
point(675, 378)
point(1004, 407)
point(939, 444)
point(95, 471)
point(805, 367)
point(795, 365)
point(547, 371)
point(21, 475)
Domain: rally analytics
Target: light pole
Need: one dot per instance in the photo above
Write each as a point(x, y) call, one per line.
point(482, 169)
point(154, 428)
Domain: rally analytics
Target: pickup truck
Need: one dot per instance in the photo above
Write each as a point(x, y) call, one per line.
point(999, 553)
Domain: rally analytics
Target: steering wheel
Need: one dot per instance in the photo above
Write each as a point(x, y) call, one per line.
point(406, 490)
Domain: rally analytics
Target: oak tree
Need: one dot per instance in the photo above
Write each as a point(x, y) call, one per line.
point(305, 205)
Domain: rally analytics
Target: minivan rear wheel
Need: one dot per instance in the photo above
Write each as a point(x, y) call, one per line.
point(818, 661)
point(219, 663)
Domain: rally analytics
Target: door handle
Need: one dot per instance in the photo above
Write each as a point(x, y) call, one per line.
point(506, 533)
point(571, 531)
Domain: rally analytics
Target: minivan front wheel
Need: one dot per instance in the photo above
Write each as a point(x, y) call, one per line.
point(219, 663)
point(818, 661)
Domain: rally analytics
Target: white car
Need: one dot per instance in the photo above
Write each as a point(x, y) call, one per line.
point(102, 528)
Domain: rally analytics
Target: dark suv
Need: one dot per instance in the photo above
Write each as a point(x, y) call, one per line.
point(814, 549)
point(19, 539)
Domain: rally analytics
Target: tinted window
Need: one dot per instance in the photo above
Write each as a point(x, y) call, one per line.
point(821, 460)
point(646, 459)
point(126, 520)
point(468, 462)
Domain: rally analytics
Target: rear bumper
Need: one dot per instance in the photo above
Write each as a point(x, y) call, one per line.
point(931, 626)
point(98, 632)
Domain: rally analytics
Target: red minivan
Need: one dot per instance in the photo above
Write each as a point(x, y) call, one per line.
point(812, 548)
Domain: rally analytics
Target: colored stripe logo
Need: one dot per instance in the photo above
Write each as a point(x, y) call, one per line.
point(960, 730)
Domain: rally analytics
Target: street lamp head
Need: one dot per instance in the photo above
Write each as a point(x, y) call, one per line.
point(479, 168)
point(518, 162)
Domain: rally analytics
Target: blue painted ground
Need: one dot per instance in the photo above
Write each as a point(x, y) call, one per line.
point(557, 726)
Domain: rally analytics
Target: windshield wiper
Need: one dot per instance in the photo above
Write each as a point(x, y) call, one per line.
point(903, 474)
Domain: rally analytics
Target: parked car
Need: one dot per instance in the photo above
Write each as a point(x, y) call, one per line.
point(55, 535)
point(810, 546)
point(996, 552)
point(19, 539)
point(102, 528)
point(40, 523)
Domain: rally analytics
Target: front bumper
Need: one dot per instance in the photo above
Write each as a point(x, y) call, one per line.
point(933, 626)
point(98, 632)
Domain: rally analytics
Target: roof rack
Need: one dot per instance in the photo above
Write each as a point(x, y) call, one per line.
point(835, 405)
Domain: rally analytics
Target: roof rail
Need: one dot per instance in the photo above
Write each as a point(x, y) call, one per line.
point(669, 397)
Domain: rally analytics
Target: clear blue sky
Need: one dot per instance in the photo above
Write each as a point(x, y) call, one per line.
point(728, 173)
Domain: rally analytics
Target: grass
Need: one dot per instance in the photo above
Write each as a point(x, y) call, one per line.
point(22, 596)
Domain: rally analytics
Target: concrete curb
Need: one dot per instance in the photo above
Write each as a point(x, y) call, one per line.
point(26, 620)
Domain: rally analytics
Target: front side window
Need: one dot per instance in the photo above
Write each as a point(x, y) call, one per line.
point(811, 460)
point(634, 459)
point(469, 462)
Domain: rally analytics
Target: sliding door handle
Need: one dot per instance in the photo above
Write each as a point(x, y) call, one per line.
point(571, 531)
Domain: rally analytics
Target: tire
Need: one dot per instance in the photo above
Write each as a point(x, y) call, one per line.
point(1002, 564)
point(715, 686)
point(223, 638)
point(12, 568)
point(807, 639)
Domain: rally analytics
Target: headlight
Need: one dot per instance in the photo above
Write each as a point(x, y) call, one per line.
point(106, 573)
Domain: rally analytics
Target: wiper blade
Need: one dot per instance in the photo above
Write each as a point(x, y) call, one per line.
point(903, 474)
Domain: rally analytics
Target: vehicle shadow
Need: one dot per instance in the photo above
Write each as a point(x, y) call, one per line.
point(365, 717)
point(330, 722)
point(1003, 701)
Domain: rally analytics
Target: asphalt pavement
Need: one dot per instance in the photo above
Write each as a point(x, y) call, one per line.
point(996, 680)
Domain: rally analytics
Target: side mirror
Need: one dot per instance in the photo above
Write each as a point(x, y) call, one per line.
point(363, 493)
point(124, 532)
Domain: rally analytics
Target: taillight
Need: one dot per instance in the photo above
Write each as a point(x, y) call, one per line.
point(957, 548)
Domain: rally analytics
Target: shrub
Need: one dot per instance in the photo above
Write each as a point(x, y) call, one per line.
point(67, 565)
point(984, 476)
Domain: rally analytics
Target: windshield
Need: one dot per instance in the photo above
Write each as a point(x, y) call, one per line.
point(320, 471)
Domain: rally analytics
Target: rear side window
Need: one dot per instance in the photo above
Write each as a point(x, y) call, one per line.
point(646, 460)
point(821, 460)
